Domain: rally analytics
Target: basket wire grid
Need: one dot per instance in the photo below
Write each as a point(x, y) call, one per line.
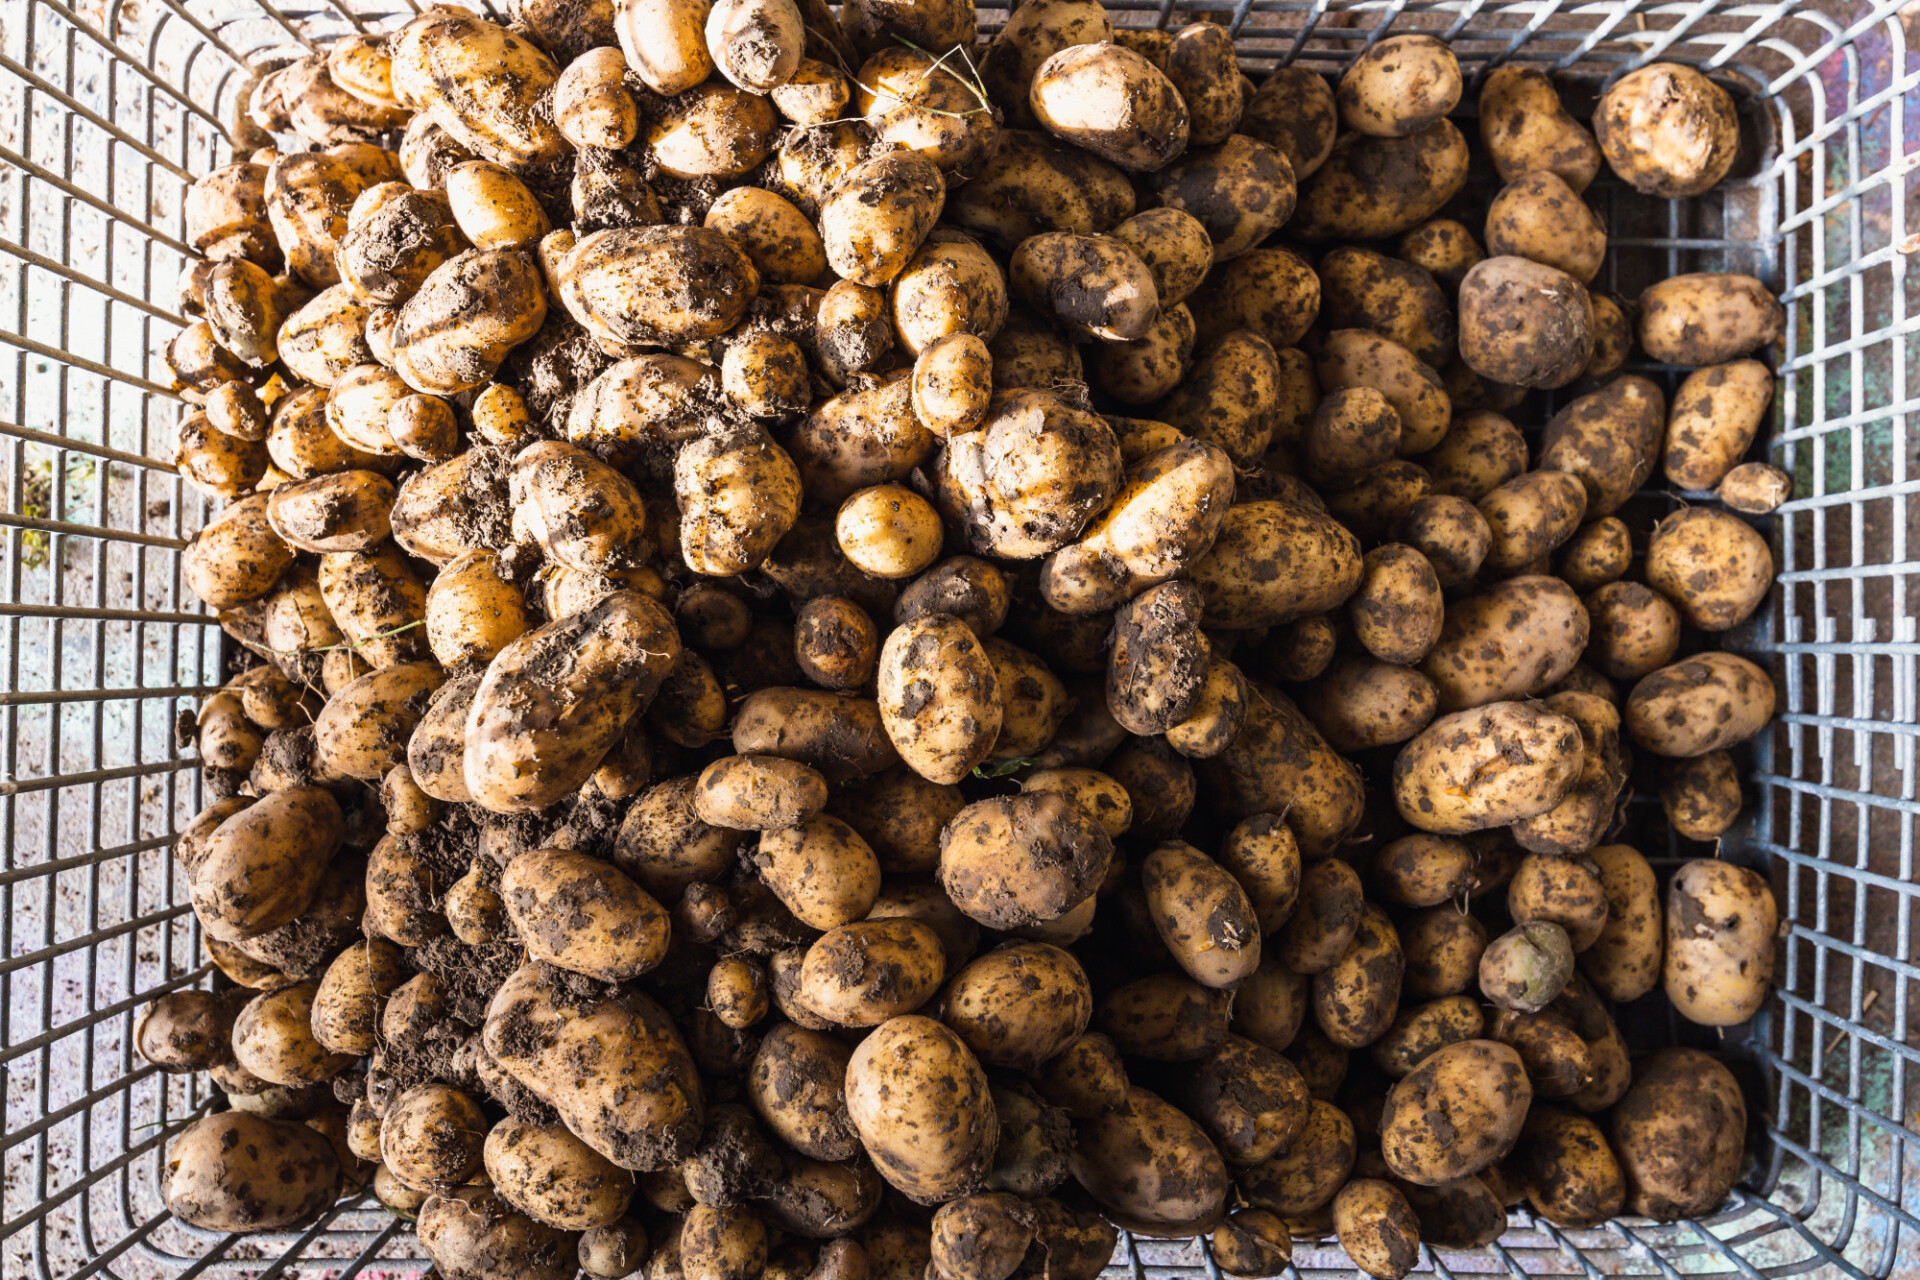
point(108, 108)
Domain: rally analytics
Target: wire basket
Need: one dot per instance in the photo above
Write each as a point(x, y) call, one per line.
point(108, 108)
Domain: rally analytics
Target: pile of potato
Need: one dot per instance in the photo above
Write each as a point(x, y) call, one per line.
point(868, 655)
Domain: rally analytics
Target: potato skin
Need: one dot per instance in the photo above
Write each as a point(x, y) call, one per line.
point(796, 1084)
point(1570, 1174)
point(1373, 188)
point(1525, 323)
point(1150, 1168)
point(1486, 767)
point(1015, 861)
point(262, 865)
point(1721, 925)
point(1202, 915)
point(1456, 1113)
point(289, 1173)
point(1680, 1134)
point(1525, 128)
point(1019, 1005)
point(920, 1103)
point(1707, 318)
point(1306, 1176)
point(1714, 566)
point(1705, 703)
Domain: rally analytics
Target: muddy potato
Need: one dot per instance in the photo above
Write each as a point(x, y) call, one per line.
point(1141, 372)
point(920, 1103)
point(1568, 1171)
point(888, 531)
point(1635, 632)
point(722, 1243)
point(866, 436)
point(1443, 946)
point(1577, 823)
point(665, 43)
point(1707, 319)
point(217, 464)
point(1701, 795)
point(1094, 286)
point(861, 974)
point(1294, 112)
point(1565, 891)
point(870, 241)
point(1280, 763)
point(1600, 553)
point(952, 384)
point(1374, 188)
point(1326, 915)
point(1396, 610)
point(1514, 639)
point(1202, 915)
point(1525, 128)
point(301, 441)
point(1377, 1227)
point(1158, 661)
point(1356, 997)
point(1667, 130)
point(238, 1172)
point(1356, 358)
point(1714, 566)
point(835, 642)
point(1086, 1078)
point(274, 1039)
point(1456, 1113)
point(1400, 86)
point(1166, 1017)
point(1019, 1005)
point(1705, 703)
point(926, 105)
point(436, 752)
point(473, 611)
point(1715, 416)
point(1151, 1168)
point(1112, 102)
point(656, 285)
point(364, 729)
point(1241, 190)
point(1623, 962)
point(1720, 925)
point(453, 334)
point(739, 494)
point(1527, 966)
point(1028, 38)
point(1175, 246)
point(1420, 1031)
point(1399, 301)
point(1481, 452)
point(1450, 533)
point(1361, 702)
point(1487, 767)
point(1609, 440)
point(1035, 184)
point(581, 914)
point(1540, 216)
point(796, 1084)
point(1308, 1174)
point(262, 865)
point(186, 1031)
point(1679, 1134)
point(348, 1004)
point(758, 793)
point(1525, 323)
point(1021, 860)
point(551, 1176)
point(776, 237)
point(1354, 430)
point(1251, 1101)
point(820, 869)
point(591, 105)
point(837, 734)
point(1274, 562)
point(939, 697)
point(237, 556)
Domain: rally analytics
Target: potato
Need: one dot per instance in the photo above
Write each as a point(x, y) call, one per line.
point(1527, 966)
point(475, 308)
point(1361, 289)
point(1701, 795)
point(728, 1243)
point(863, 973)
point(1086, 1078)
point(926, 105)
point(1307, 1175)
point(939, 697)
point(261, 867)
point(1241, 190)
point(1376, 1225)
point(1456, 1113)
point(348, 1002)
point(1716, 414)
point(1679, 1134)
point(1396, 610)
point(1635, 632)
point(1019, 1005)
point(273, 1038)
point(1202, 915)
point(1353, 430)
point(1144, 371)
point(1525, 323)
point(1623, 961)
point(471, 1233)
point(1176, 248)
point(215, 463)
point(1166, 1017)
point(656, 285)
point(1325, 919)
point(237, 556)
point(796, 1086)
point(1021, 860)
point(1443, 946)
point(920, 1103)
point(637, 407)
point(758, 793)
point(616, 1250)
point(1443, 248)
point(1279, 763)
point(776, 237)
point(1273, 562)
point(1112, 102)
point(1570, 1174)
point(980, 1237)
point(1540, 216)
point(1599, 554)
point(1150, 1168)
point(1400, 86)
point(821, 870)
point(821, 1200)
point(1450, 533)
point(888, 531)
point(1355, 998)
point(1027, 39)
point(1667, 130)
point(1514, 639)
point(1715, 567)
point(1707, 318)
point(226, 215)
point(591, 106)
point(187, 1030)
point(1034, 184)
point(665, 43)
point(551, 1176)
point(472, 611)
point(346, 511)
point(952, 384)
point(1094, 286)
point(1481, 452)
point(1374, 188)
point(581, 914)
point(871, 243)
point(534, 1027)
point(1158, 659)
point(836, 643)
point(1565, 891)
point(1486, 767)
point(1423, 870)
point(1356, 358)
point(1576, 824)
point(364, 728)
point(232, 1171)
point(1526, 129)
point(837, 734)
point(1705, 703)
point(1608, 439)
point(1420, 1031)
point(1720, 934)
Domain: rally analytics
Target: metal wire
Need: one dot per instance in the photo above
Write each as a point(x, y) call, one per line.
point(107, 107)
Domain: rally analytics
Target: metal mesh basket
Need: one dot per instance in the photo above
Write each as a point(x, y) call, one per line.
point(108, 108)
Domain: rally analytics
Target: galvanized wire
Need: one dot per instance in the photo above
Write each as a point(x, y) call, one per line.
point(108, 107)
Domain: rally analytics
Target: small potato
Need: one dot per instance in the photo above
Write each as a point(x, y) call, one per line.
point(236, 557)
point(1396, 610)
point(1144, 371)
point(1445, 249)
point(1525, 323)
point(1086, 1078)
point(815, 94)
point(1374, 188)
point(1361, 702)
point(1111, 101)
point(1450, 533)
point(776, 237)
point(1623, 962)
point(493, 208)
point(1400, 86)
point(1354, 430)
point(186, 1031)
point(1612, 337)
point(1166, 1017)
point(1423, 870)
point(1035, 184)
point(1202, 914)
point(711, 131)
point(939, 697)
point(348, 1002)
point(1527, 966)
point(1635, 632)
point(1295, 112)
point(756, 43)
point(1361, 289)
point(952, 384)
point(865, 436)
point(1540, 216)
point(1308, 1174)
point(1201, 64)
point(1715, 567)
point(1721, 924)
point(1176, 248)
point(1600, 553)
point(739, 494)
point(591, 105)
point(1376, 1225)
point(1241, 190)
point(1094, 286)
point(1707, 319)
point(1679, 1134)
point(1540, 627)
point(472, 611)
point(472, 1231)
point(1150, 1168)
point(1325, 918)
point(1481, 452)
point(1443, 946)
point(1667, 130)
point(215, 463)
point(1486, 767)
point(1019, 1005)
point(613, 1251)
point(920, 1103)
point(1608, 439)
point(273, 1038)
point(1701, 795)
point(1356, 997)
point(722, 1243)
point(796, 1086)
point(861, 974)
point(1420, 1031)
point(1716, 414)
point(821, 870)
point(889, 531)
point(1570, 1174)
point(346, 511)
point(1456, 1113)
point(835, 643)
point(1565, 891)
point(232, 1171)
point(870, 241)
point(1755, 488)
point(1356, 358)
point(1705, 703)
point(553, 1177)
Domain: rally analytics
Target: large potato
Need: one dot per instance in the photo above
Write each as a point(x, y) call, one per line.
point(239, 1172)
point(797, 1085)
point(553, 1177)
point(1707, 318)
point(364, 729)
point(1273, 562)
point(919, 1101)
point(939, 698)
point(1705, 703)
point(1525, 128)
point(1279, 763)
point(261, 867)
point(1668, 130)
point(1374, 188)
point(1716, 414)
point(1014, 861)
point(862, 974)
point(1714, 566)
point(1151, 1168)
point(1525, 323)
point(1111, 101)
point(481, 83)
point(1515, 639)
point(560, 696)
point(1608, 439)
point(1487, 767)
point(1019, 1005)
point(656, 285)
point(1032, 477)
point(1679, 1134)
